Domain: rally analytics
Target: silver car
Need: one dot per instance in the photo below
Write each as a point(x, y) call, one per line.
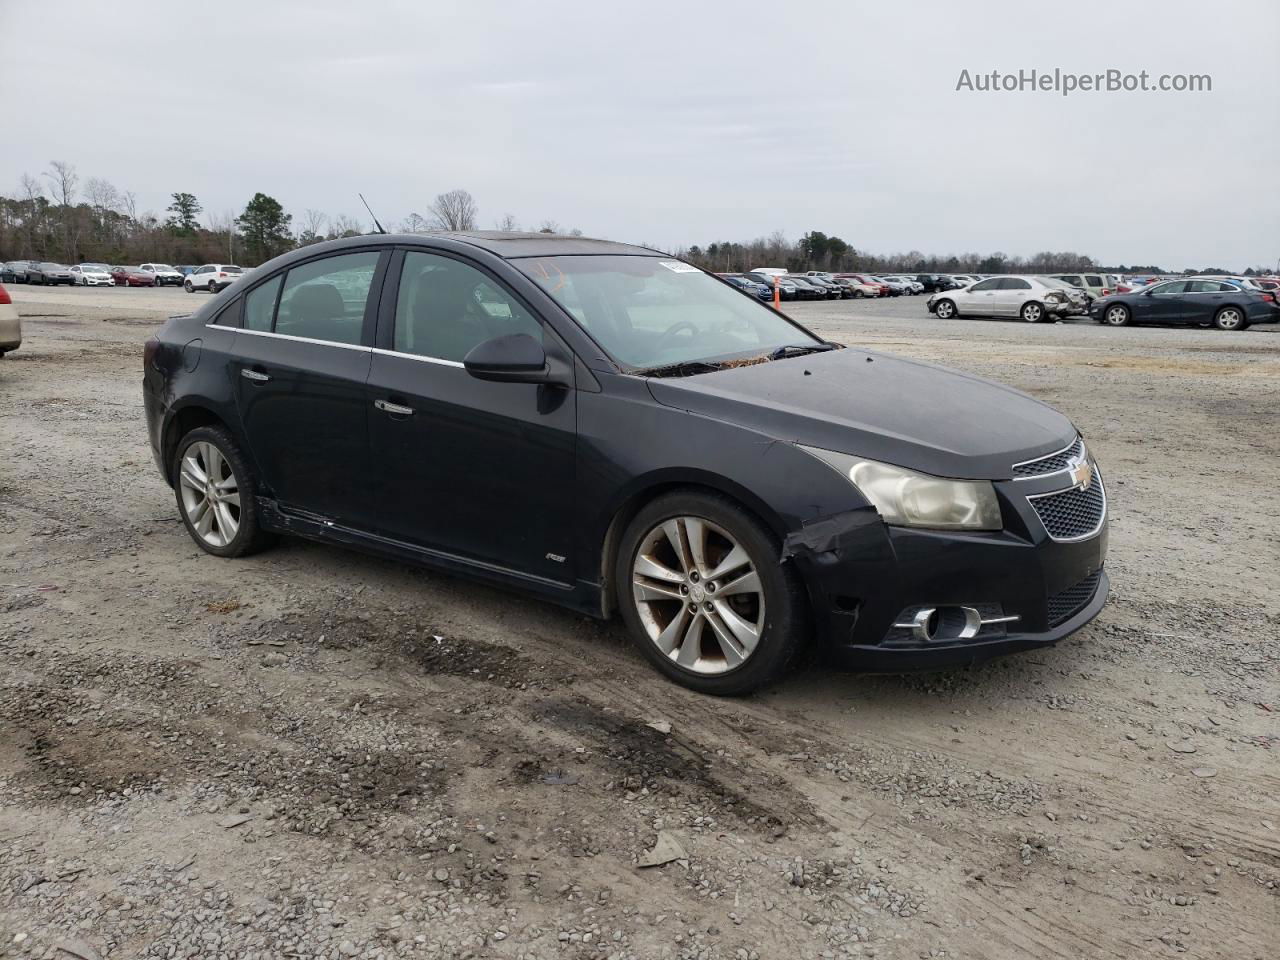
point(44, 272)
point(1031, 298)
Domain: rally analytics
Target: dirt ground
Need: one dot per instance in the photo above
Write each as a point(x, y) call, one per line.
point(312, 753)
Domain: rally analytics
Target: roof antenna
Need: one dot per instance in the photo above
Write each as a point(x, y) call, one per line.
point(371, 213)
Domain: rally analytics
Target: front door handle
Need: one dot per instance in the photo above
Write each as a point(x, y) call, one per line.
point(395, 409)
point(254, 375)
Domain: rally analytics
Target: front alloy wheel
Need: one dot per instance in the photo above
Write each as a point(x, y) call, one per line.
point(1117, 315)
point(704, 596)
point(698, 595)
point(945, 309)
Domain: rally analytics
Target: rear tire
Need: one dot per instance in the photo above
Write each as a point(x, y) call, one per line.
point(1032, 312)
point(216, 494)
point(771, 612)
point(1230, 318)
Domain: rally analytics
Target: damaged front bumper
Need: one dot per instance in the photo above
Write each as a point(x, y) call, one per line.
point(869, 583)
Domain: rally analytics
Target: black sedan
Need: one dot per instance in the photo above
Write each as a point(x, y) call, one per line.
point(806, 289)
point(611, 429)
point(1197, 301)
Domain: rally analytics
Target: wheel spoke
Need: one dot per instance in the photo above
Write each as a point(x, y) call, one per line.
point(227, 524)
point(669, 639)
point(648, 567)
point(733, 653)
point(213, 461)
point(675, 534)
point(737, 557)
point(745, 633)
point(192, 473)
point(696, 535)
point(203, 521)
point(691, 647)
point(232, 499)
point(647, 591)
point(749, 582)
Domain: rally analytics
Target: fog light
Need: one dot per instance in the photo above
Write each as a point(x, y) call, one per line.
point(946, 624)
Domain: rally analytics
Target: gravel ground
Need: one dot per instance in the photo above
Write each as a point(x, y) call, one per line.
point(312, 753)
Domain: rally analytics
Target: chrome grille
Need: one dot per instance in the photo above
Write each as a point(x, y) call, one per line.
point(1066, 603)
point(1074, 514)
point(1053, 463)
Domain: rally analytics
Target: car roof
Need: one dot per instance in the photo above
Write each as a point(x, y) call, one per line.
point(509, 246)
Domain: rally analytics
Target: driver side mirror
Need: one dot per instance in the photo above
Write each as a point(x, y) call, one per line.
point(515, 358)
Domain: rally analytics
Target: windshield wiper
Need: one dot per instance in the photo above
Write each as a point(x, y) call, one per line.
point(800, 349)
point(686, 368)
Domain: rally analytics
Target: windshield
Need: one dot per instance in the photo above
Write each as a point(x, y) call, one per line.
point(162, 268)
point(649, 312)
point(94, 268)
point(233, 270)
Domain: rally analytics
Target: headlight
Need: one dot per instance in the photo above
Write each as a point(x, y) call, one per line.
point(905, 498)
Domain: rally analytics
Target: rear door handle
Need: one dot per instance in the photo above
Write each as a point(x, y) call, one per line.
point(395, 409)
point(254, 375)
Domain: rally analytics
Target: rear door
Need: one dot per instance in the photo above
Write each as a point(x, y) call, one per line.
point(1203, 299)
point(474, 469)
point(303, 354)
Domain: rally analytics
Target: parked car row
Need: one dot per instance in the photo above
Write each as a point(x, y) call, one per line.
point(1228, 303)
point(211, 276)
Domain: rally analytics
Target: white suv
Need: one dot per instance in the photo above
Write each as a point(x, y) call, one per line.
point(212, 277)
point(163, 273)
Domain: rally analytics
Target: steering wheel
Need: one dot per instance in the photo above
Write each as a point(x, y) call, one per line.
point(672, 331)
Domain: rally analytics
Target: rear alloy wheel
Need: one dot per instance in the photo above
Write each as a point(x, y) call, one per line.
point(1230, 318)
point(1117, 315)
point(215, 493)
point(704, 596)
point(1031, 312)
point(945, 309)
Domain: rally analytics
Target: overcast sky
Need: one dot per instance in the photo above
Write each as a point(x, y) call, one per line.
point(675, 123)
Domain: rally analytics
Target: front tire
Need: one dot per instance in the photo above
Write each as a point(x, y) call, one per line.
point(1032, 312)
point(945, 310)
point(1116, 315)
point(216, 492)
point(1230, 318)
point(704, 596)
point(186, 285)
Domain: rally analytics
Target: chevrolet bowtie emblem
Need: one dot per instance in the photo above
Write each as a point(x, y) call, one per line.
point(1082, 475)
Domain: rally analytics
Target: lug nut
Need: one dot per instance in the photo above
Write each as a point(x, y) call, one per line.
point(707, 606)
point(694, 576)
point(693, 608)
point(711, 587)
point(684, 588)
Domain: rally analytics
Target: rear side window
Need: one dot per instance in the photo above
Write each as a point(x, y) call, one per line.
point(1013, 283)
point(445, 307)
point(260, 305)
point(325, 299)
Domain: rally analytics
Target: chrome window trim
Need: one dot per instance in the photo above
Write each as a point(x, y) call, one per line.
point(414, 356)
point(1040, 476)
point(289, 336)
point(1102, 518)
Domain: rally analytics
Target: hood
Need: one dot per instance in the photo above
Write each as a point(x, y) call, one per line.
point(882, 407)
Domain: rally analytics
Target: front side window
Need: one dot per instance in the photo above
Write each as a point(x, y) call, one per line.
point(984, 285)
point(445, 307)
point(1173, 286)
point(650, 312)
point(325, 299)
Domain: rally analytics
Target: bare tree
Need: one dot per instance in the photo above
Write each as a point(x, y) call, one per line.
point(345, 226)
point(415, 223)
point(455, 210)
point(508, 224)
point(550, 226)
point(64, 179)
point(312, 226)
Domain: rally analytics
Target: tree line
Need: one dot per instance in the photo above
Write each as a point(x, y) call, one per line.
point(59, 216)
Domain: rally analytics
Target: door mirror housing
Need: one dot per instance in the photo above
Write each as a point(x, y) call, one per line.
point(515, 358)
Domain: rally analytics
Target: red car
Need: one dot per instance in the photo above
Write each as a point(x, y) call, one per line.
point(132, 277)
point(884, 288)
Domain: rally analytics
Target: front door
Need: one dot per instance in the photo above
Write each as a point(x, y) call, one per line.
point(478, 470)
point(1165, 302)
point(979, 298)
point(302, 359)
